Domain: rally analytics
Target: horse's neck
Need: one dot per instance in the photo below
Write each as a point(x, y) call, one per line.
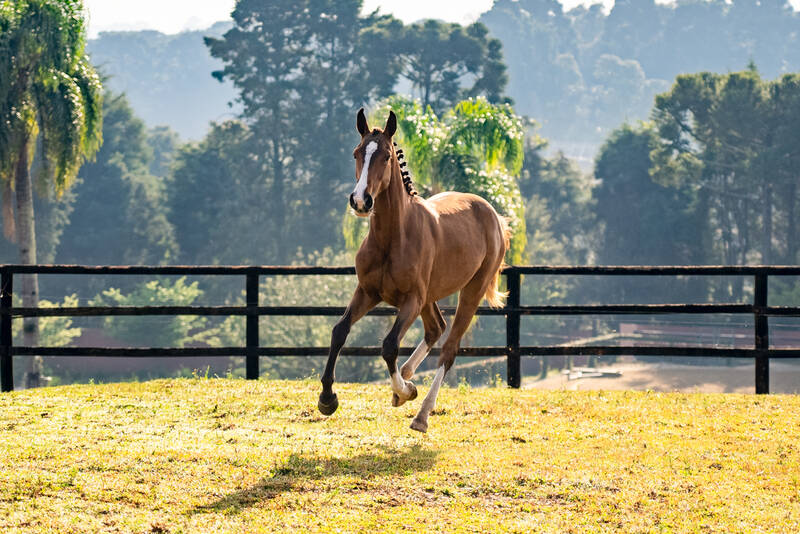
point(387, 225)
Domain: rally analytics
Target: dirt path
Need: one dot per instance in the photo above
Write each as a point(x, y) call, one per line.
point(784, 378)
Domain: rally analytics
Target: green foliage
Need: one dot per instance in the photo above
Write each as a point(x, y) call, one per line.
point(53, 331)
point(440, 57)
point(477, 147)
point(52, 214)
point(784, 292)
point(582, 72)
point(301, 68)
point(219, 202)
point(119, 190)
point(644, 222)
point(164, 143)
point(731, 137)
point(47, 87)
point(163, 332)
point(559, 207)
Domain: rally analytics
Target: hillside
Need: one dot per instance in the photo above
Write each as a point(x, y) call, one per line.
point(167, 78)
point(233, 456)
point(582, 72)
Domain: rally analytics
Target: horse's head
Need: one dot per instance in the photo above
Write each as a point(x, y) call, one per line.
point(373, 163)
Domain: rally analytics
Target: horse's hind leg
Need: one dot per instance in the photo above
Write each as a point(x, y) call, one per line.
point(434, 325)
point(359, 305)
point(468, 301)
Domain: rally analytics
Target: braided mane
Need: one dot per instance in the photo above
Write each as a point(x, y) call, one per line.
point(405, 171)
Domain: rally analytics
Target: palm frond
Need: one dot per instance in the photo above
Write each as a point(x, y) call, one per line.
point(493, 132)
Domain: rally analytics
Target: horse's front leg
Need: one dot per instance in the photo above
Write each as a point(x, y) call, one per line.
point(359, 305)
point(406, 313)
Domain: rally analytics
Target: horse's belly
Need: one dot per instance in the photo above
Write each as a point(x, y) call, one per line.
point(461, 251)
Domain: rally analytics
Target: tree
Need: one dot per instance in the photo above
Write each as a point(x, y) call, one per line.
point(164, 143)
point(440, 58)
point(300, 69)
point(262, 54)
point(351, 62)
point(120, 209)
point(644, 222)
point(717, 132)
point(218, 202)
point(49, 90)
point(785, 98)
point(164, 332)
point(558, 205)
point(559, 76)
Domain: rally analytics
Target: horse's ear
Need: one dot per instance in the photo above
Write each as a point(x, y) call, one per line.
point(391, 125)
point(361, 123)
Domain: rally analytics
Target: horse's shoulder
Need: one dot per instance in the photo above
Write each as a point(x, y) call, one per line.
point(365, 257)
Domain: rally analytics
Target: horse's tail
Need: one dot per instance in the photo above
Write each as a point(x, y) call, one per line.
point(493, 296)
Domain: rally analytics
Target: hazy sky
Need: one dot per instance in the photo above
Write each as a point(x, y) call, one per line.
point(172, 16)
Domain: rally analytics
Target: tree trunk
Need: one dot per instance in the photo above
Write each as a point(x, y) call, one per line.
point(791, 233)
point(26, 241)
point(766, 253)
point(279, 202)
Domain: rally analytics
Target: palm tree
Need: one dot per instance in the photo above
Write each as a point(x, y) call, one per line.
point(50, 104)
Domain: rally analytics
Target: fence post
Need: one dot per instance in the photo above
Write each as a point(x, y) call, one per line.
point(6, 339)
point(762, 335)
point(512, 329)
point(251, 297)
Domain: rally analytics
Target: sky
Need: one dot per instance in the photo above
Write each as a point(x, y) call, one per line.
point(172, 16)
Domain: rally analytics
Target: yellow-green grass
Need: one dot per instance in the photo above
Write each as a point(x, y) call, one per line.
point(214, 455)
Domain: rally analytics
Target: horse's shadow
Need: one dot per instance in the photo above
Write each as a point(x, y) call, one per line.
point(298, 468)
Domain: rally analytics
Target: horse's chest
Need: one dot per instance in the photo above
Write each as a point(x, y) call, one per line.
point(390, 282)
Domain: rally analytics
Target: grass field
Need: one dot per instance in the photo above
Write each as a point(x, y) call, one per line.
point(219, 455)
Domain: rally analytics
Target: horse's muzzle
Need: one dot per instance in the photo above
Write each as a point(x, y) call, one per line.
point(363, 209)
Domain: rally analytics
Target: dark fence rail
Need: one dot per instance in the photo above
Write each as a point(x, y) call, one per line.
point(513, 311)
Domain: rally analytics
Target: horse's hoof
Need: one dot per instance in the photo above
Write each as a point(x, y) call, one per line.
point(419, 425)
point(328, 405)
point(397, 401)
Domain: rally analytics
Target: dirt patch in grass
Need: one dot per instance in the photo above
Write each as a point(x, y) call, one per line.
point(640, 376)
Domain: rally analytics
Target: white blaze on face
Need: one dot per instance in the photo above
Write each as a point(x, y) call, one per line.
point(361, 186)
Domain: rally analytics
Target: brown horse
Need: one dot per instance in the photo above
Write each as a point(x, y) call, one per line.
point(417, 252)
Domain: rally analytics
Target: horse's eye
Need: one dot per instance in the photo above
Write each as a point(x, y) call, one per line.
point(355, 157)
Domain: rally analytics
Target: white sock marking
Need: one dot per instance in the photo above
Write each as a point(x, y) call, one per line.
point(430, 399)
point(361, 186)
point(399, 386)
point(413, 361)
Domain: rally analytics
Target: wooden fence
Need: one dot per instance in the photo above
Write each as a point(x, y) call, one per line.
point(513, 311)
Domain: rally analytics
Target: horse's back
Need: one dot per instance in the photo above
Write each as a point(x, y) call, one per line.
point(459, 212)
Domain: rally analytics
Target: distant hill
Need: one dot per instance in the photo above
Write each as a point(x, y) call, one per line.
point(167, 78)
point(582, 72)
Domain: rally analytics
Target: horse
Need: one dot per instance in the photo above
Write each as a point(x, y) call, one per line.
point(417, 251)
